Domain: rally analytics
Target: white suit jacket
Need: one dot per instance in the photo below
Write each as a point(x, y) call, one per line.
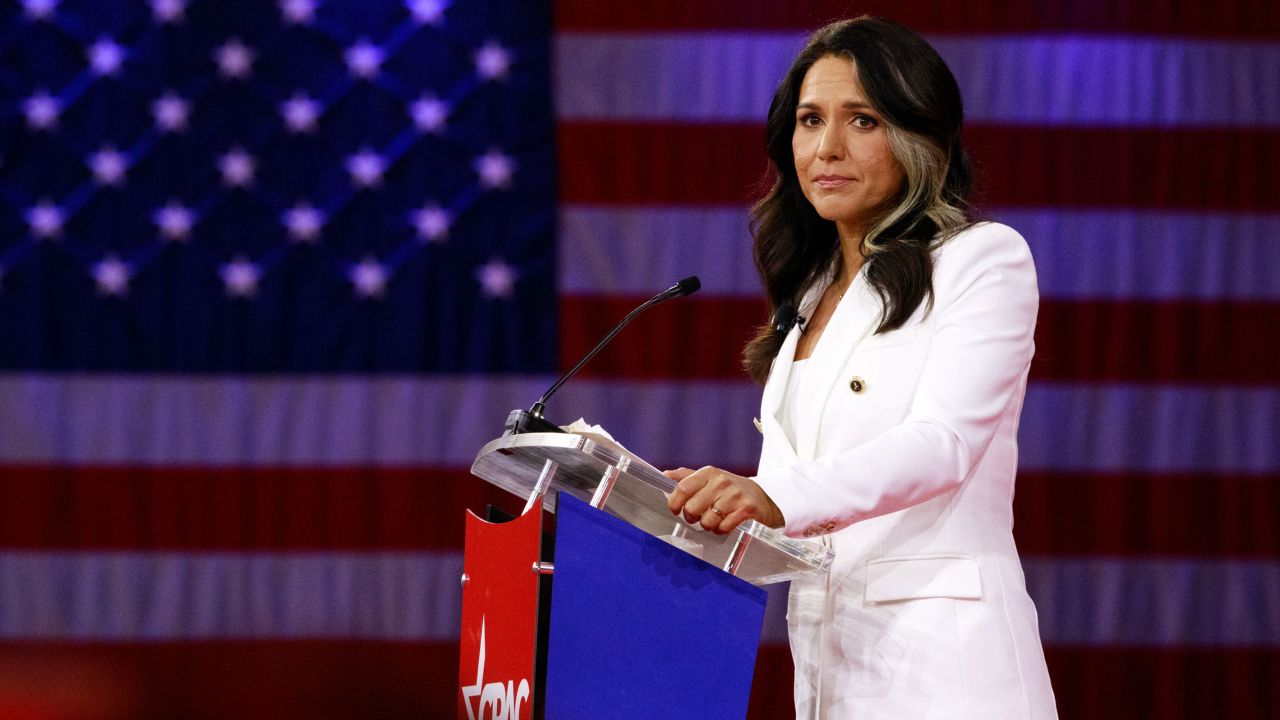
point(904, 461)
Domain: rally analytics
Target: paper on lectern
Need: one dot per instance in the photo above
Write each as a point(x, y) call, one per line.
point(600, 436)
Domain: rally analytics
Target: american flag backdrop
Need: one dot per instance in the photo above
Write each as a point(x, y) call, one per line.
point(272, 272)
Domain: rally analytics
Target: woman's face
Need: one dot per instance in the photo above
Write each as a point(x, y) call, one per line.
point(841, 149)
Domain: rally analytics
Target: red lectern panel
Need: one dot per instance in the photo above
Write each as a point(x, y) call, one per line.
point(499, 618)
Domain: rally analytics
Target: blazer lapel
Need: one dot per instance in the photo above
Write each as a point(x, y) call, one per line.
point(854, 318)
point(777, 445)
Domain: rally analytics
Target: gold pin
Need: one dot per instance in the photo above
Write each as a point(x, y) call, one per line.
point(759, 426)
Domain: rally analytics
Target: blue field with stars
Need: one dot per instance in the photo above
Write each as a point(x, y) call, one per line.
point(247, 186)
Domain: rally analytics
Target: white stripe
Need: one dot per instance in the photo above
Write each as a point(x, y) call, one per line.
point(155, 597)
point(1080, 254)
point(640, 251)
point(191, 596)
point(1150, 428)
point(1018, 79)
point(404, 421)
point(1106, 602)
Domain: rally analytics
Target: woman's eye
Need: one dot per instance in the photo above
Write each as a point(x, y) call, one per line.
point(810, 120)
point(866, 122)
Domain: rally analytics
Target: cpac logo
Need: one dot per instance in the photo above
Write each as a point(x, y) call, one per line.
point(502, 700)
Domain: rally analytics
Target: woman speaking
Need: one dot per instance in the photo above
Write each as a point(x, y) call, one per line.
point(894, 374)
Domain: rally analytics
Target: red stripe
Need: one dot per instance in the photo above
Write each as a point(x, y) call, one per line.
point(246, 679)
point(249, 509)
point(722, 164)
point(335, 679)
point(1167, 684)
point(1238, 18)
point(1168, 341)
point(239, 508)
point(1168, 514)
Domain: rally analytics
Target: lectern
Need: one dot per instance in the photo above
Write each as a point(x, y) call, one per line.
point(649, 617)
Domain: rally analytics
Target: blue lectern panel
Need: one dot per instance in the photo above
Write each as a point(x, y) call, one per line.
point(640, 629)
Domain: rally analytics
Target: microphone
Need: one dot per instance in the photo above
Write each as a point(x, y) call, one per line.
point(785, 318)
point(531, 420)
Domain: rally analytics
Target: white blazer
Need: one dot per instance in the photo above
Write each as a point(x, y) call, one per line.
point(903, 462)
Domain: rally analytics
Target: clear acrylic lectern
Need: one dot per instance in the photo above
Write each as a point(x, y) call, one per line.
point(533, 465)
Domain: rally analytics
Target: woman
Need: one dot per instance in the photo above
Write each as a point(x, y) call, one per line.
point(890, 411)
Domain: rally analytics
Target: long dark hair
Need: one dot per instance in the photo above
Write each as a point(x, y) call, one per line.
point(911, 87)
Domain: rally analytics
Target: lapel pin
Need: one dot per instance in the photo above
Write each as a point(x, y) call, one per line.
point(857, 385)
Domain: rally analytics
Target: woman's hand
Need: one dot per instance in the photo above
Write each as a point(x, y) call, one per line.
point(720, 500)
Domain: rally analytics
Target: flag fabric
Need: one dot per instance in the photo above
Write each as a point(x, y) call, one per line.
point(271, 273)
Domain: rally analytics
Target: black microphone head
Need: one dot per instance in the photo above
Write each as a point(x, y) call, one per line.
point(785, 317)
point(688, 286)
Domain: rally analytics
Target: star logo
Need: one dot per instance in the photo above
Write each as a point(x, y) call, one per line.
point(503, 700)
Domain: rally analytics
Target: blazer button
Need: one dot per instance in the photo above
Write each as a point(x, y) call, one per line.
point(857, 385)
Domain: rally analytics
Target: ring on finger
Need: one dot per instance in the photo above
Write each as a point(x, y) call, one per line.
point(718, 511)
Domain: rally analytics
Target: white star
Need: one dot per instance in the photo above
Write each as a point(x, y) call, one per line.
point(237, 168)
point(429, 114)
point(168, 11)
point(364, 59)
point(42, 110)
point(470, 692)
point(495, 169)
point(112, 276)
point(369, 278)
point(45, 220)
point(298, 12)
point(432, 222)
point(39, 9)
point(427, 12)
point(235, 60)
point(492, 61)
point(106, 57)
point(171, 113)
point(241, 277)
point(175, 221)
point(304, 223)
point(108, 166)
point(366, 168)
point(497, 278)
point(300, 113)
